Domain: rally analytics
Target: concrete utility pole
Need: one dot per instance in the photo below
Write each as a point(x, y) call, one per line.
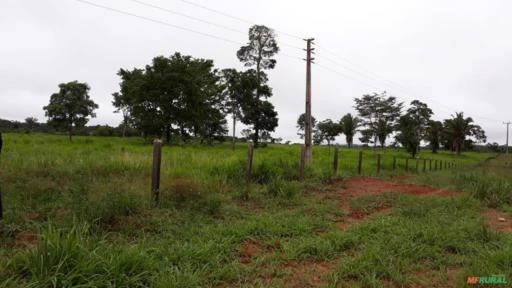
point(307, 127)
point(508, 124)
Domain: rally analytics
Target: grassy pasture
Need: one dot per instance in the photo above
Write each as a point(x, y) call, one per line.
point(78, 214)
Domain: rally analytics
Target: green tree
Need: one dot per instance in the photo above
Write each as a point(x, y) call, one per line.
point(260, 49)
point(258, 52)
point(458, 128)
point(258, 113)
point(379, 114)
point(301, 124)
point(70, 107)
point(31, 123)
point(179, 95)
point(433, 135)
point(409, 134)
point(326, 130)
point(421, 114)
point(233, 90)
point(349, 125)
point(124, 108)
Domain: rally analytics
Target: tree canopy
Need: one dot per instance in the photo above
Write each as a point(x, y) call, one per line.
point(178, 95)
point(349, 125)
point(301, 124)
point(257, 112)
point(458, 128)
point(379, 114)
point(70, 107)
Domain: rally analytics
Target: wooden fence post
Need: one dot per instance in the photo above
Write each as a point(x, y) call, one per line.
point(417, 166)
point(335, 160)
point(435, 165)
point(440, 165)
point(424, 165)
point(430, 165)
point(360, 164)
point(406, 164)
point(394, 163)
point(248, 167)
point(155, 173)
point(378, 164)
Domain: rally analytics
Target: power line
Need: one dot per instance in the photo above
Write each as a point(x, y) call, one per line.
point(446, 108)
point(203, 21)
point(235, 17)
point(157, 21)
point(348, 77)
point(187, 16)
point(229, 40)
point(172, 25)
point(404, 98)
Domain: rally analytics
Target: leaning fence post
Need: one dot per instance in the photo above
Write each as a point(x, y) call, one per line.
point(360, 163)
point(394, 163)
point(335, 161)
point(378, 164)
point(155, 174)
point(248, 167)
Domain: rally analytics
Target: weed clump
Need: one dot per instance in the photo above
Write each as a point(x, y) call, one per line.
point(282, 189)
point(71, 258)
point(493, 191)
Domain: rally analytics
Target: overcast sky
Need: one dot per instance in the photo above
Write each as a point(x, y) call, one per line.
point(453, 55)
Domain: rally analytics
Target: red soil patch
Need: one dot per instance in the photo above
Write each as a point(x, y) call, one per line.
point(493, 220)
point(358, 186)
point(251, 249)
point(306, 273)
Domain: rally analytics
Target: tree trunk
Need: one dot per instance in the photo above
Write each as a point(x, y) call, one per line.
point(255, 137)
point(168, 134)
point(124, 130)
point(70, 132)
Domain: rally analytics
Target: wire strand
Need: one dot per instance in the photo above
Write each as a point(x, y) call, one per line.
point(235, 17)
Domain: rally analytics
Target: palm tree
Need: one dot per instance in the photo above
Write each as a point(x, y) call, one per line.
point(457, 128)
point(349, 126)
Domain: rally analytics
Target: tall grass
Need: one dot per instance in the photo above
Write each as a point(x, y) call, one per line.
point(89, 203)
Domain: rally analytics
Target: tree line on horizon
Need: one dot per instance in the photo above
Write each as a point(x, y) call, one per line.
point(381, 116)
point(180, 98)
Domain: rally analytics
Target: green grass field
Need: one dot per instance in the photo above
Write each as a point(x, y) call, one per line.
point(79, 214)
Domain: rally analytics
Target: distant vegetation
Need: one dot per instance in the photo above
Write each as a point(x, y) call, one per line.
point(183, 99)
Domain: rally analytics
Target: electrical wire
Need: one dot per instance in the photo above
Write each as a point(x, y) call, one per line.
point(204, 21)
